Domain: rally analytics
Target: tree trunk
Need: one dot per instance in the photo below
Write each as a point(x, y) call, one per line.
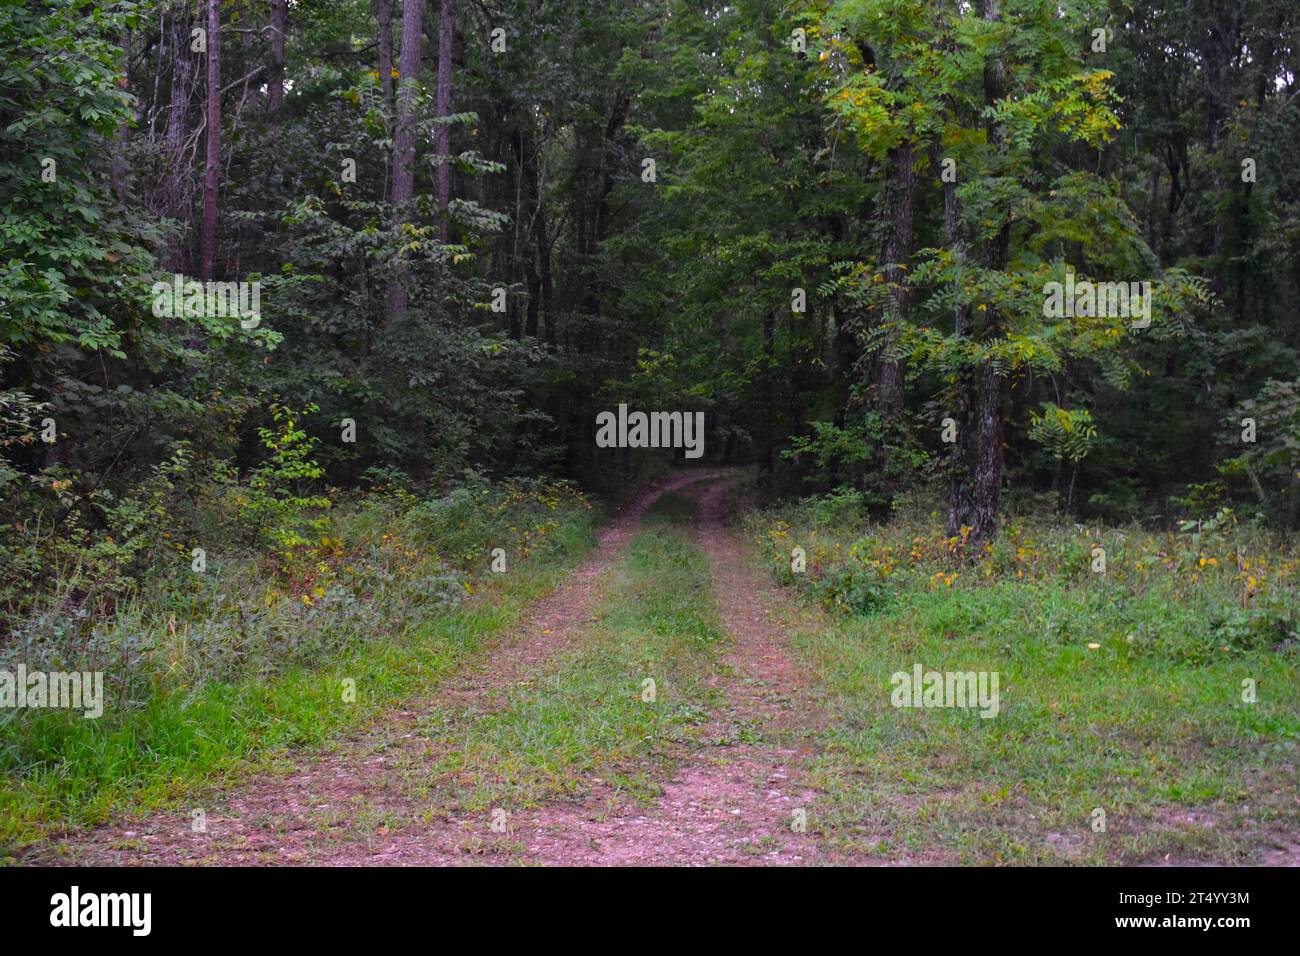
point(959, 473)
point(442, 140)
point(518, 149)
point(899, 199)
point(404, 141)
point(536, 249)
point(544, 264)
point(987, 474)
point(987, 478)
point(275, 83)
point(1293, 492)
point(117, 169)
point(1218, 50)
point(768, 464)
point(594, 229)
point(173, 201)
point(900, 193)
point(534, 295)
point(212, 166)
point(408, 69)
point(385, 17)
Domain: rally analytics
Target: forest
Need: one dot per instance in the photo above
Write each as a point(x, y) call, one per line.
point(962, 334)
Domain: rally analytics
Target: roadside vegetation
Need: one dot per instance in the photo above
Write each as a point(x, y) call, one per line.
point(212, 672)
point(1164, 692)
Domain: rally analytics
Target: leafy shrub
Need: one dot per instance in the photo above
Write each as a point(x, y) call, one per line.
point(1210, 588)
point(1264, 625)
point(274, 505)
point(388, 559)
point(842, 508)
point(862, 591)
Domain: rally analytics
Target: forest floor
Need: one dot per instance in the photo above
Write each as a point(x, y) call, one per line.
point(721, 785)
point(667, 704)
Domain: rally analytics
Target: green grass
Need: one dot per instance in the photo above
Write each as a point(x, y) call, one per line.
point(189, 733)
point(585, 719)
point(1149, 726)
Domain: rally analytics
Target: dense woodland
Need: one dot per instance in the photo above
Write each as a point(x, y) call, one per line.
point(477, 224)
point(309, 311)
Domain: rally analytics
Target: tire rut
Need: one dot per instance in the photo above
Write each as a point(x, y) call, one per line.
point(737, 800)
point(309, 816)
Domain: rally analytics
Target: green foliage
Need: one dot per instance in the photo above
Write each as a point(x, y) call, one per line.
point(844, 507)
point(63, 248)
point(212, 676)
point(830, 446)
point(1235, 587)
point(275, 508)
point(1271, 461)
point(18, 413)
point(1066, 434)
point(775, 171)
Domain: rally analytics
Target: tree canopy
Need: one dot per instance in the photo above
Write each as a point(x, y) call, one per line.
point(830, 226)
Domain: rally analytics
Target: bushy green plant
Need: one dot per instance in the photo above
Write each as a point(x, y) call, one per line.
point(842, 508)
point(276, 504)
point(1267, 623)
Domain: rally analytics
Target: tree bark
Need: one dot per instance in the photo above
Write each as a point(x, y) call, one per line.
point(534, 296)
point(275, 83)
point(1293, 492)
point(173, 200)
point(544, 264)
point(212, 166)
point(536, 242)
point(959, 474)
point(768, 463)
point(442, 139)
point(404, 141)
point(117, 169)
point(385, 17)
point(1220, 46)
point(594, 224)
point(988, 467)
point(899, 200)
point(900, 195)
point(514, 256)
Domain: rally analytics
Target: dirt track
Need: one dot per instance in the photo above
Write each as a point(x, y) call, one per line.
point(730, 803)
